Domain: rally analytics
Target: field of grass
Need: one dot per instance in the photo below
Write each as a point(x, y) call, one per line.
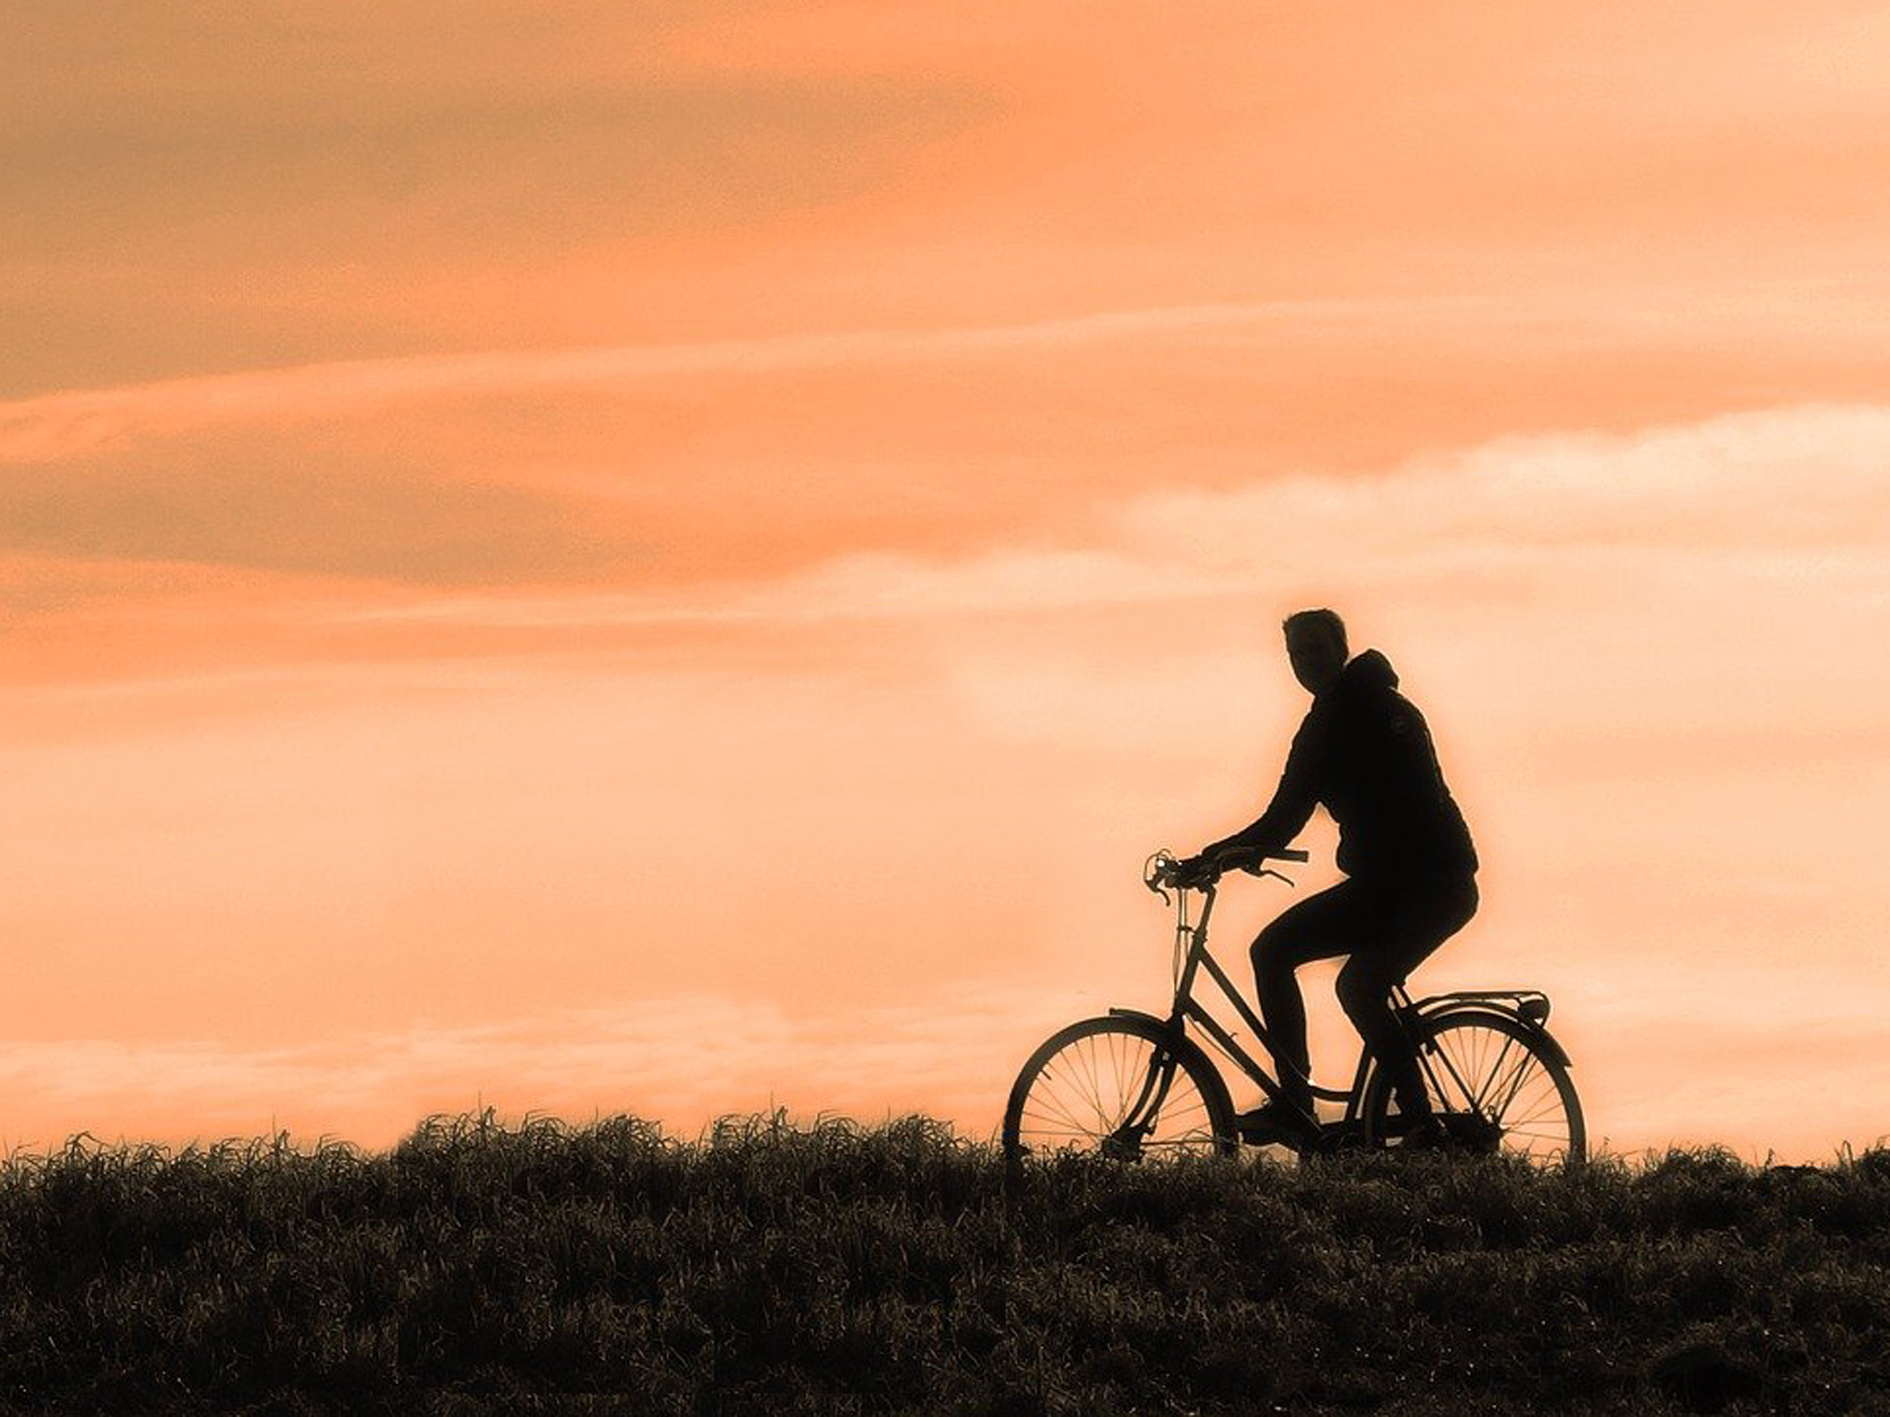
point(768, 1268)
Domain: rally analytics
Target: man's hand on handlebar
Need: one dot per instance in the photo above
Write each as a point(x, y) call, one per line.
point(1191, 872)
point(1234, 858)
point(1204, 868)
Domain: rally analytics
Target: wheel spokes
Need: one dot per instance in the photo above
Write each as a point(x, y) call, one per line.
point(1501, 1081)
point(1118, 1093)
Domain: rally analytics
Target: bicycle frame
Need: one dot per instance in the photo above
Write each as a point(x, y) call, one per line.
point(1104, 1083)
point(1191, 948)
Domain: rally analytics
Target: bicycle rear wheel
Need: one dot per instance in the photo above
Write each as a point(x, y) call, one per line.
point(1120, 1086)
point(1497, 1084)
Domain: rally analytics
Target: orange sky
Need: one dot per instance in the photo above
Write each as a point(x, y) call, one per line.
point(677, 558)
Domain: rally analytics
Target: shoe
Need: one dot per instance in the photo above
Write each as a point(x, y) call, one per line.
point(1451, 1131)
point(1276, 1124)
point(1424, 1133)
point(1404, 1124)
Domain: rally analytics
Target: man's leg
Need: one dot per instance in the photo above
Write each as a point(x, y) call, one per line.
point(1319, 927)
point(1409, 922)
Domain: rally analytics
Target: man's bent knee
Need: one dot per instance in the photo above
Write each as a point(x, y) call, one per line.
point(1275, 950)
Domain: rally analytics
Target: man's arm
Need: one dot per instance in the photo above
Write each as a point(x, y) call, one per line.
point(1292, 804)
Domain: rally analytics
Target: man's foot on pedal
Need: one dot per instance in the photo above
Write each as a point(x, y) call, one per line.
point(1276, 1124)
point(1404, 1124)
point(1422, 1132)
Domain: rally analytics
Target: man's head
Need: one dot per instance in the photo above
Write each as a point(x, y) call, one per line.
point(1315, 642)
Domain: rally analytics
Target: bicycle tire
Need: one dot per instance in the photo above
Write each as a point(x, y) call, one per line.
point(1521, 1100)
point(1101, 1068)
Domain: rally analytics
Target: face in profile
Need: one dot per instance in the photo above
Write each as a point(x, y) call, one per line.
point(1317, 658)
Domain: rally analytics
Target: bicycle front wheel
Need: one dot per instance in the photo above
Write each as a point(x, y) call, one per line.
point(1122, 1086)
point(1497, 1084)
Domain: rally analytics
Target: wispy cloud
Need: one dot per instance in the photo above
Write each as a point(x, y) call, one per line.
point(72, 423)
point(1771, 494)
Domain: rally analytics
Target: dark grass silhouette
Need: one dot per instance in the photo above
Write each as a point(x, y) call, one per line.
point(767, 1268)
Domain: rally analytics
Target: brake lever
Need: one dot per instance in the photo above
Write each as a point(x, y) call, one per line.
point(1277, 875)
point(1152, 871)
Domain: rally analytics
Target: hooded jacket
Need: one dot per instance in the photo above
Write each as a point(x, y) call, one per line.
point(1364, 753)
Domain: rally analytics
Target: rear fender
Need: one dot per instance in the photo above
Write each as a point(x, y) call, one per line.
point(1441, 1011)
point(1537, 1033)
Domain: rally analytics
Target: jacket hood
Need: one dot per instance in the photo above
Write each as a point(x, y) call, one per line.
point(1370, 670)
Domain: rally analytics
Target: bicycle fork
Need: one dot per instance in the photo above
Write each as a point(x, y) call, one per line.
point(1125, 1142)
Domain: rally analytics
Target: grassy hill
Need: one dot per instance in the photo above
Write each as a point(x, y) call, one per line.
point(765, 1268)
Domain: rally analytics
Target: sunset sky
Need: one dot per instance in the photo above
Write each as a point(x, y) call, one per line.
point(676, 557)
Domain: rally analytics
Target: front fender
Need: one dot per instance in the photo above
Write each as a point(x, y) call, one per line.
point(1163, 1023)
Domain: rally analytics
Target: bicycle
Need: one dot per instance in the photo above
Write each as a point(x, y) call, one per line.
point(1131, 1084)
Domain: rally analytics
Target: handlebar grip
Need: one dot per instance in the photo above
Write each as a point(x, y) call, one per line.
point(1290, 854)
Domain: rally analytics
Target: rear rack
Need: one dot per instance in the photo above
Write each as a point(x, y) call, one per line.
point(1531, 1005)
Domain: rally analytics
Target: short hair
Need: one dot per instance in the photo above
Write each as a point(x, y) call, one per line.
point(1325, 622)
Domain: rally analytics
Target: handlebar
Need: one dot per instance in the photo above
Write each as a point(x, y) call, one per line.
point(1163, 871)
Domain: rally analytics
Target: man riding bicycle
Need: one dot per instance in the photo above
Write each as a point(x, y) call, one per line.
point(1365, 754)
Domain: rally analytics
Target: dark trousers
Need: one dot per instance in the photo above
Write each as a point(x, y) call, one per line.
point(1387, 927)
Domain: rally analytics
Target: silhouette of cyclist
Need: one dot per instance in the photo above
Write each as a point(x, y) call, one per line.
point(1365, 754)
